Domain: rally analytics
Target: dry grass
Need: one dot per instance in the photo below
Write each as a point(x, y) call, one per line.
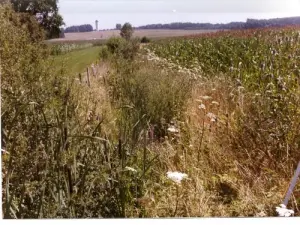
point(218, 185)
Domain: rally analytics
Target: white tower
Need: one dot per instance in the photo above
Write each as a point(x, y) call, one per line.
point(96, 22)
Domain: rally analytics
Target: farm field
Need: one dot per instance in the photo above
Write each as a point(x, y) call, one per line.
point(205, 125)
point(76, 61)
point(151, 33)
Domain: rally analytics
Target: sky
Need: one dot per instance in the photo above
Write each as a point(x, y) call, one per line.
point(143, 12)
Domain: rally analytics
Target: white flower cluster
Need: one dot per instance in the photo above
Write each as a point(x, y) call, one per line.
point(177, 177)
point(168, 64)
point(130, 169)
point(283, 211)
point(202, 106)
point(212, 117)
point(172, 129)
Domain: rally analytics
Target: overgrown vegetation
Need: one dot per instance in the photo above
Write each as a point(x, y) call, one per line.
point(224, 110)
point(45, 12)
point(250, 91)
point(64, 156)
point(265, 80)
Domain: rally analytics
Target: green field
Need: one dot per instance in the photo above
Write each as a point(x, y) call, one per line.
point(76, 61)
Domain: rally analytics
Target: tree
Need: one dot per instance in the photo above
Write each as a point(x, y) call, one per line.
point(126, 31)
point(118, 26)
point(80, 28)
point(62, 33)
point(46, 13)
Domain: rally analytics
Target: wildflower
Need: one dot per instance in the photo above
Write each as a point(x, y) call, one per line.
point(173, 129)
point(202, 106)
point(215, 103)
point(177, 177)
point(212, 117)
point(283, 211)
point(130, 169)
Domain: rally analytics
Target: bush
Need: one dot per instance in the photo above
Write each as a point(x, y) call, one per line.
point(114, 43)
point(145, 40)
point(121, 48)
point(104, 53)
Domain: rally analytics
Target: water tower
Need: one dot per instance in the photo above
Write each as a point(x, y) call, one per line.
point(96, 22)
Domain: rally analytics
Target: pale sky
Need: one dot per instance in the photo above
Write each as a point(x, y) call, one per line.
point(142, 12)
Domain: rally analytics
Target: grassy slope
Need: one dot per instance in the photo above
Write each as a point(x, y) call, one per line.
point(76, 61)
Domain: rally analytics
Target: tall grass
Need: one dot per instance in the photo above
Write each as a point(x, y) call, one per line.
point(74, 151)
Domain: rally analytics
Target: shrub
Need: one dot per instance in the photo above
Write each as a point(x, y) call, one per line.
point(121, 48)
point(114, 43)
point(104, 52)
point(145, 40)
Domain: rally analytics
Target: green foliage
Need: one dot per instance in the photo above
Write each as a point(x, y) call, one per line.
point(264, 68)
point(46, 12)
point(126, 31)
point(80, 28)
point(114, 43)
point(66, 157)
point(27, 22)
point(118, 26)
point(122, 48)
point(104, 53)
point(59, 164)
point(145, 40)
point(147, 96)
point(129, 49)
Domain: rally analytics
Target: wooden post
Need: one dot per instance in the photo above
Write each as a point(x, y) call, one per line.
point(88, 77)
point(80, 78)
point(93, 68)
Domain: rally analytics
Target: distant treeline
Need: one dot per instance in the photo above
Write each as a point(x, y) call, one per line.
point(80, 28)
point(250, 23)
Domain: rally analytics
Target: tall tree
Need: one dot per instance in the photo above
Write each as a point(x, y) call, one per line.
point(126, 31)
point(118, 26)
point(46, 13)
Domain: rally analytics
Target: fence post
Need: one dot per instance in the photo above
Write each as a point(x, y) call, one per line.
point(88, 76)
point(93, 68)
point(80, 78)
point(292, 185)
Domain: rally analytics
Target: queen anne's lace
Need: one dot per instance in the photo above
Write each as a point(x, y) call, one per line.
point(283, 211)
point(176, 176)
point(130, 169)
